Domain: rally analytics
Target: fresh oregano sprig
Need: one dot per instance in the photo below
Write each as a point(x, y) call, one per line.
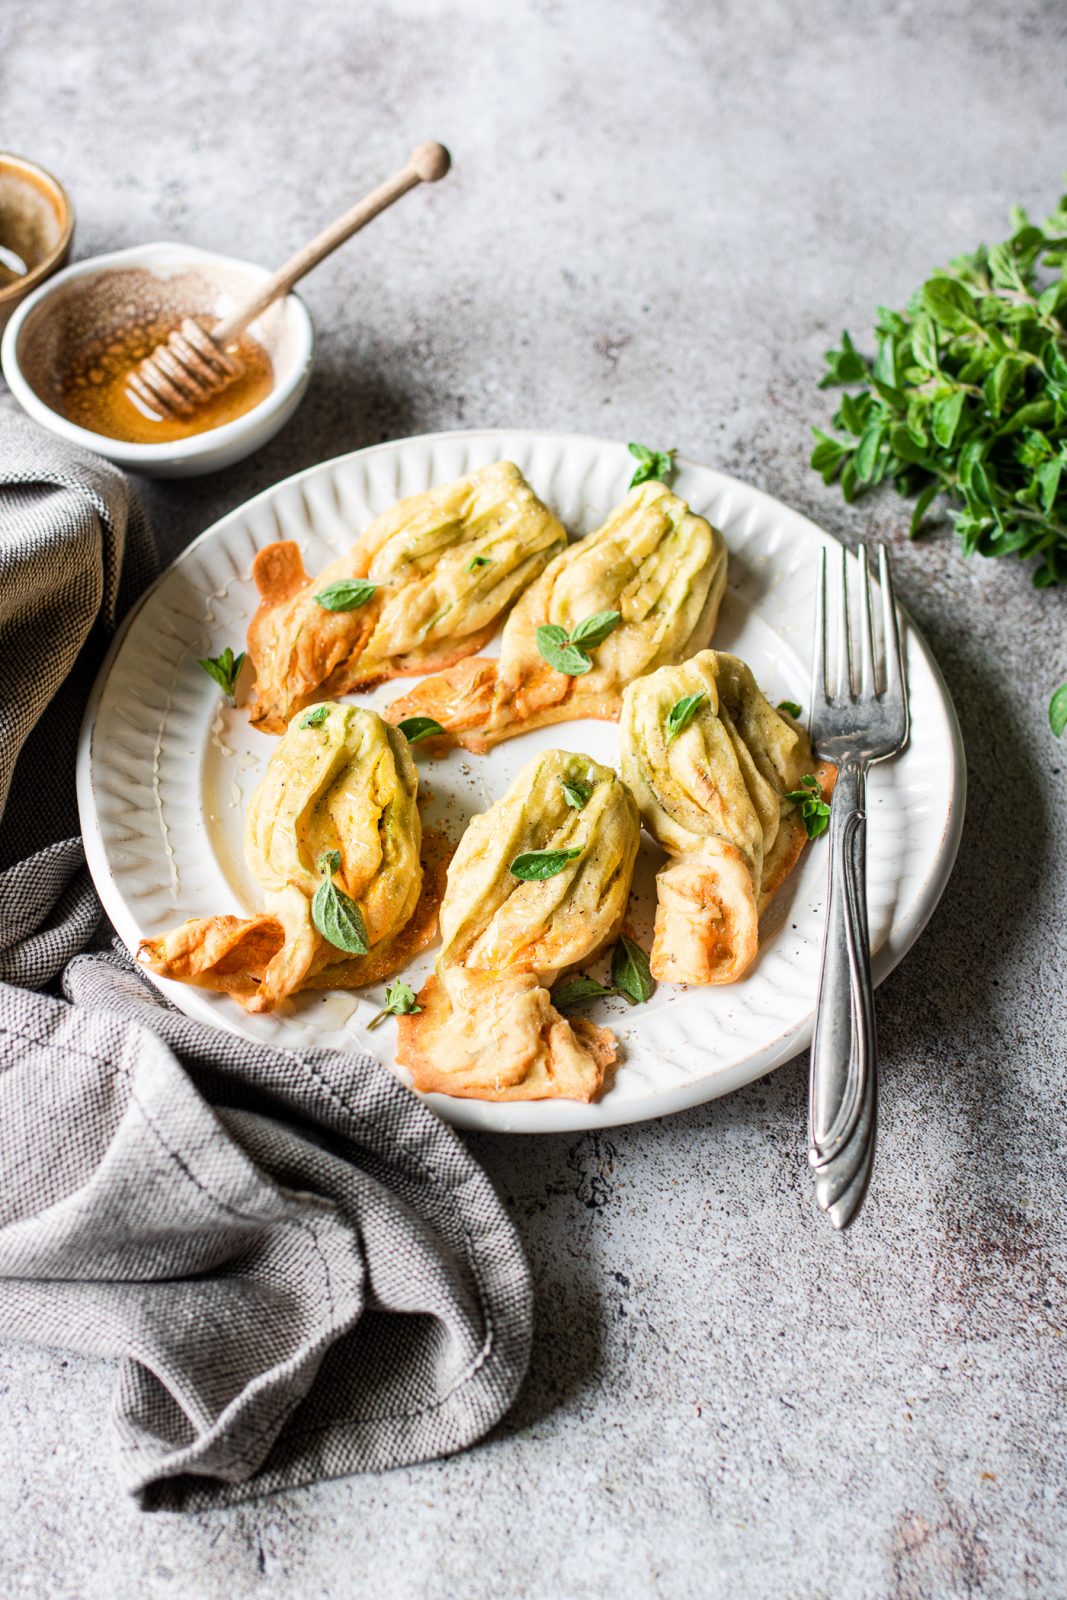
point(400, 1001)
point(814, 811)
point(651, 464)
point(576, 792)
point(631, 977)
point(224, 668)
point(569, 652)
point(966, 399)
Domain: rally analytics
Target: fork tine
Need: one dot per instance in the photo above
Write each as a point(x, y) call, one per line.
point(894, 670)
point(818, 647)
point(868, 676)
point(844, 633)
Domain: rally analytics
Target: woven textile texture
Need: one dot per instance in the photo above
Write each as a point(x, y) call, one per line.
point(299, 1270)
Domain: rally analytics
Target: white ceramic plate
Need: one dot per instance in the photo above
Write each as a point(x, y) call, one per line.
point(165, 770)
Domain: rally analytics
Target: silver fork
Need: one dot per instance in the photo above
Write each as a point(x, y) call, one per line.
point(852, 724)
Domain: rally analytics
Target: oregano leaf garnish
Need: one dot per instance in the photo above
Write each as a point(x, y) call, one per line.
point(334, 913)
point(576, 792)
point(814, 811)
point(534, 866)
point(576, 989)
point(347, 594)
point(630, 971)
point(416, 728)
point(594, 630)
point(400, 1001)
point(651, 464)
point(224, 668)
point(569, 653)
point(682, 713)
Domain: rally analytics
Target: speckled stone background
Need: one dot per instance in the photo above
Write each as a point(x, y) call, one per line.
point(661, 213)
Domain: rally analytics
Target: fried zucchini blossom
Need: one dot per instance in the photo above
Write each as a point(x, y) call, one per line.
point(535, 886)
point(333, 837)
point(424, 586)
point(644, 589)
point(712, 764)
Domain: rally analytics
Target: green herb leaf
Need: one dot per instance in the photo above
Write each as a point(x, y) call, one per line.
point(965, 401)
point(594, 630)
point(535, 865)
point(479, 561)
point(867, 451)
point(224, 668)
point(845, 365)
point(630, 972)
point(946, 417)
point(315, 717)
point(651, 464)
point(922, 506)
point(791, 706)
point(1057, 710)
point(949, 303)
point(573, 990)
point(555, 648)
point(814, 811)
point(570, 653)
point(347, 594)
point(400, 1001)
point(416, 728)
point(682, 713)
point(576, 793)
point(335, 914)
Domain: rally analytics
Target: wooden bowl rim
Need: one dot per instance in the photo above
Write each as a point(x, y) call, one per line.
point(65, 208)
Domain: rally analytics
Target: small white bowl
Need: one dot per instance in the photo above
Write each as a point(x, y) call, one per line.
point(63, 310)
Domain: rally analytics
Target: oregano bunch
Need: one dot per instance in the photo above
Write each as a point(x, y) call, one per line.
point(967, 399)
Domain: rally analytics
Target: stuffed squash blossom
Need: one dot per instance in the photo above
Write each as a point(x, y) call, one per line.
point(535, 886)
point(641, 591)
point(424, 586)
point(332, 835)
point(711, 764)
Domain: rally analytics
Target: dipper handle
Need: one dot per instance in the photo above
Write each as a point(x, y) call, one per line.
point(426, 164)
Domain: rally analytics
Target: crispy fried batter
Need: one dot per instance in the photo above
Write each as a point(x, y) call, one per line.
point(347, 784)
point(447, 564)
point(488, 1029)
point(715, 799)
point(662, 567)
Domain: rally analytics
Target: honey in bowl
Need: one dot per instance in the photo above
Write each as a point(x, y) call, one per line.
point(80, 344)
point(89, 389)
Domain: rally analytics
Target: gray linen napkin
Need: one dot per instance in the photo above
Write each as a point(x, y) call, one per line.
point(301, 1271)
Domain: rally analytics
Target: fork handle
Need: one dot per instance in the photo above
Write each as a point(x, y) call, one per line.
point(842, 1104)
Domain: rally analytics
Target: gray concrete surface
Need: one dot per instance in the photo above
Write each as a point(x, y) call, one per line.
point(662, 211)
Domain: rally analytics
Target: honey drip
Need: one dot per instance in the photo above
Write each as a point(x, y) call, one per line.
point(91, 389)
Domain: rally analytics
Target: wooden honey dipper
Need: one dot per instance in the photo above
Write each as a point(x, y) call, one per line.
point(194, 363)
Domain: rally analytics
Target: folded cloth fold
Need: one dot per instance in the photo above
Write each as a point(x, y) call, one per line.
point(301, 1271)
